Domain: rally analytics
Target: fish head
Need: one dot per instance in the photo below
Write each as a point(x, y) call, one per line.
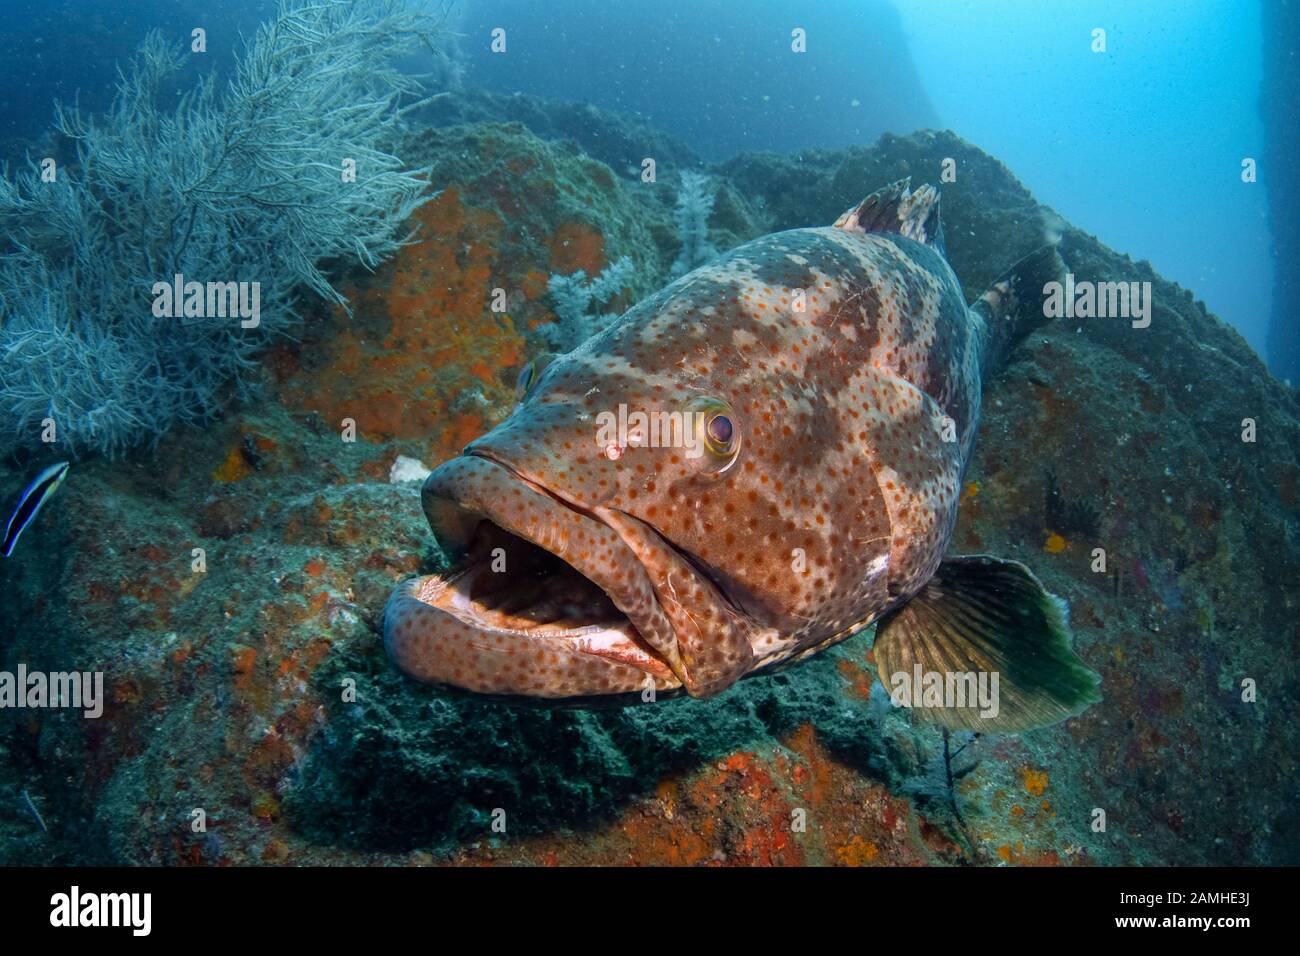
point(650, 516)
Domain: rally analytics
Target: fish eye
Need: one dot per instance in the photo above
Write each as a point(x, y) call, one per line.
point(719, 430)
point(719, 433)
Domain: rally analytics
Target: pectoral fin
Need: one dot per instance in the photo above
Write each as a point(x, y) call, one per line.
point(985, 616)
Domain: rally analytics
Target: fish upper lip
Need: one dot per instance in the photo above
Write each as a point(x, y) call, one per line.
point(586, 512)
point(532, 483)
point(696, 563)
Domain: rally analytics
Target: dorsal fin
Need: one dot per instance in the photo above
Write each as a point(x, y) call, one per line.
point(897, 209)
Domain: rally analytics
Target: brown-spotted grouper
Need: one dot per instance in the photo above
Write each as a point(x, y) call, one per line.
point(754, 463)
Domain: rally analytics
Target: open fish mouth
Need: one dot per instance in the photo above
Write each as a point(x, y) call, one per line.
point(546, 601)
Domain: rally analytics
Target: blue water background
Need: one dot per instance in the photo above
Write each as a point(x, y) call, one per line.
point(1141, 145)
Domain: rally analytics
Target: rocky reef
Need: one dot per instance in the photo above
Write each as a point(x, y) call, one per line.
point(257, 690)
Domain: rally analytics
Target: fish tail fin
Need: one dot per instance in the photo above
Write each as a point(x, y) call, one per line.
point(984, 647)
point(1014, 305)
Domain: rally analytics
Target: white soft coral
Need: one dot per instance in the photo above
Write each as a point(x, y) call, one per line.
point(694, 206)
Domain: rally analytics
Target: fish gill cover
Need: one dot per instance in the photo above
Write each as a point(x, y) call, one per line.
point(419, 269)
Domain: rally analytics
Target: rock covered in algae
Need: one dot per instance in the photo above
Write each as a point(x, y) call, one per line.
point(257, 689)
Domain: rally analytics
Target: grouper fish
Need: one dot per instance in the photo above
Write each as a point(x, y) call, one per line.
point(793, 422)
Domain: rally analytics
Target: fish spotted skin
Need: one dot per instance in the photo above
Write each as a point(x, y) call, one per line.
point(850, 367)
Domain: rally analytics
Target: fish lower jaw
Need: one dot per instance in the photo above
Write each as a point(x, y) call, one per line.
point(610, 639)
point(536, 638)
point(548, 602)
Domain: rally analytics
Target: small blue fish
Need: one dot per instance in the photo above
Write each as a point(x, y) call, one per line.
point(29, 504)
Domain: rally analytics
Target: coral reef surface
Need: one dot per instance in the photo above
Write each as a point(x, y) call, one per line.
point(257, 691)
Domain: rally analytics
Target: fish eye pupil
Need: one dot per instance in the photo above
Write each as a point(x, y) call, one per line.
point(720, 429)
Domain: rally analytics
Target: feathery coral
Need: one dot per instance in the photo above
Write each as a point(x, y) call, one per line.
point(694, 206)
point(573, 295)
point(253, 186)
